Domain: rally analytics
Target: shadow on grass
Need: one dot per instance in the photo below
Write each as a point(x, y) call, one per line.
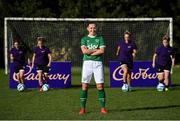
point(28, 90)
point(148, 108)
point(76, 86)
point(175, 85)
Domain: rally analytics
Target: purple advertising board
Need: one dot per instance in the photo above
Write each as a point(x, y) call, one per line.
point(143, 75)
point(59, 76)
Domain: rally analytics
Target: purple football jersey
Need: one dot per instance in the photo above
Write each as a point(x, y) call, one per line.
point(41, 57)
point(19, 56)
point(164, 55)
point(126, 51)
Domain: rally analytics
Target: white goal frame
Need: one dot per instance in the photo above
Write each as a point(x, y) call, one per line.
point(6, 57)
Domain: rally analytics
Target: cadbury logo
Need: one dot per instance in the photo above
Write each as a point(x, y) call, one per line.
point(117, 74)
point(29, 75)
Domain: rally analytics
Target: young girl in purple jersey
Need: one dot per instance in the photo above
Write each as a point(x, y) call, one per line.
point(163, 60)
point(17, 56)
point(42, 60)
point(126, 53)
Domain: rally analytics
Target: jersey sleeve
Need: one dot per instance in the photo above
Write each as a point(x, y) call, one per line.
point(48, 51)
point(34, 50)
point(83, 42)
point(119, 42)
point(11, 51)
point(134, 46)
point(157, 51)
point(102, 43)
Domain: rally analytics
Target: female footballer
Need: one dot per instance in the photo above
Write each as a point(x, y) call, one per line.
point(93, 48)
point(126, 53)
point(17, 56)
point(163, 60)
point(42, 60)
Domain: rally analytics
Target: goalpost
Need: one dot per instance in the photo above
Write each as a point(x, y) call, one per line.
point(63, 35)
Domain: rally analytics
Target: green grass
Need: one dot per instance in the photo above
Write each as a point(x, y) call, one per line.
point(142, 103)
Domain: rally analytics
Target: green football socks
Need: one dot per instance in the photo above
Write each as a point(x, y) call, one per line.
point(83, 98)
point(101, 96)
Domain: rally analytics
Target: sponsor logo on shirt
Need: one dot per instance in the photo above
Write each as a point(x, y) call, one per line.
point(42, 51)
point(129, 46)
point(91, 46)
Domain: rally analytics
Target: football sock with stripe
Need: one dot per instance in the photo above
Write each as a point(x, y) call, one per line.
point(101, 96)
point(83, 98)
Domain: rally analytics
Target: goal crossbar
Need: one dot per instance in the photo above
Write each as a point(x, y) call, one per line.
point(6, 59)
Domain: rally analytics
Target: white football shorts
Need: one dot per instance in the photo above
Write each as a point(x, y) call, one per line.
point(90, 68)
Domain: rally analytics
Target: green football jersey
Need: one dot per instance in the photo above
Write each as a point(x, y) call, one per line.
point(95, 42)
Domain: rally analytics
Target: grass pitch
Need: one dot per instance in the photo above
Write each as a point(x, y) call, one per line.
point(63, 104)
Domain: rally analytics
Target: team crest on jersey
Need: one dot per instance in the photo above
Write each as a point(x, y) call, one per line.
point(97, 40)
point(20, 52)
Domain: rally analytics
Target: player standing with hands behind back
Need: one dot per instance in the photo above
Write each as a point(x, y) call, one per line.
point(93, 48)
point(42, 60)
point(126, 53)
point(163, 60)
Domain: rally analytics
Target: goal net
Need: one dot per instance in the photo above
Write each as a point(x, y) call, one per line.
point(63, 35)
